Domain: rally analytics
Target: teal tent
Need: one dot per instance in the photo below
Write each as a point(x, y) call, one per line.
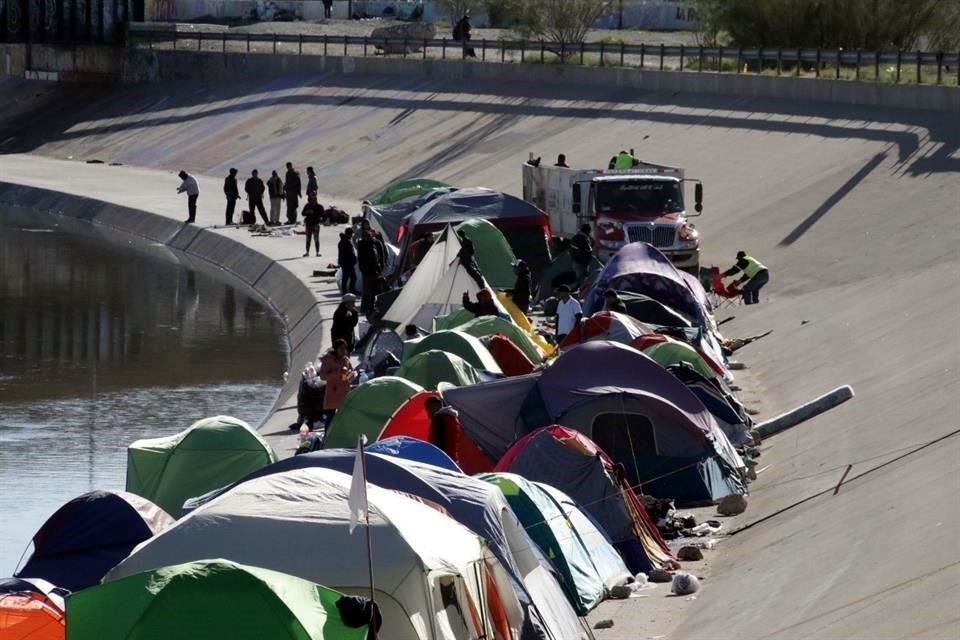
point(404, 189)
point(212, 453)
point(456, 342)
point(492, 251)
point(367, 409)
point(430, 368)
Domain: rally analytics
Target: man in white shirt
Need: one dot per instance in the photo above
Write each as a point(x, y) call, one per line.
point(569, 313)
point(190, 186)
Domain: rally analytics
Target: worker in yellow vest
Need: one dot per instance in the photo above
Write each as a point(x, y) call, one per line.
point(623, 160)
point(755, 275)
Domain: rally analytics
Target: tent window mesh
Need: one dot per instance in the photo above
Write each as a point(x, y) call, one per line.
point(624, 435)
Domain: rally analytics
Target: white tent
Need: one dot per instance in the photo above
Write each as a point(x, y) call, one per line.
point(436, 287)
point(431, 573)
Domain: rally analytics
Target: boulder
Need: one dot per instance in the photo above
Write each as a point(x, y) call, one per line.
point(732, 505)
point(413, 32)
point(689, 554)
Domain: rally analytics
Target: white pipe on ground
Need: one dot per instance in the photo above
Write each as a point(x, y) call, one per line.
point(804, 412)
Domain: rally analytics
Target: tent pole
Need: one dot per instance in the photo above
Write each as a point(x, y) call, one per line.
point(363, 464)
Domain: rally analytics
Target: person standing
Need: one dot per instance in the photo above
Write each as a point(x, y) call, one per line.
point(231, 190)
point(371, 267)
point(312, 214)
point(312, 185)
point(275, 191)
point(327, 10)
point(254, 188)
point(468, 259)
point(461, 33)
point(345, 320)
point(294, 191)
point(347, 260)
point(521, 287)
point(755, 275)
point(336, 371)
point(581, 251)
point(569, 313)
point(484, 306)
point(189, 186)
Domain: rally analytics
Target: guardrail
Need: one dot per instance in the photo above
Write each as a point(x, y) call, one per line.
point(914, 67)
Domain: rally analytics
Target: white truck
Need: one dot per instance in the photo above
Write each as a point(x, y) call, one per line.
point(642, 204)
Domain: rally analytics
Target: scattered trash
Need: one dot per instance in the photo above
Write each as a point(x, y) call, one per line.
point(689, 553)
point(621, 592)
point(735, 365)
point(604, 624)
point(660, 575)
point(684, 584)
point(732, 505)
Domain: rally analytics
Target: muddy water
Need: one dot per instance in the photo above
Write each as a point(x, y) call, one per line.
point(101, 344)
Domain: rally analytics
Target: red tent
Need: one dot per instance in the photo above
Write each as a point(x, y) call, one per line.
point(512, 360)
point(606, 325)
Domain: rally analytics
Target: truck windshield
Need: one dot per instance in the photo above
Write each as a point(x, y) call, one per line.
point(639, 197)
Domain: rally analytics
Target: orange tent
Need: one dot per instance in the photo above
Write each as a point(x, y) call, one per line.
point(30, 616)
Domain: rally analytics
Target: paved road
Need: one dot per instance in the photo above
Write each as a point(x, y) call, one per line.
point(855, 211)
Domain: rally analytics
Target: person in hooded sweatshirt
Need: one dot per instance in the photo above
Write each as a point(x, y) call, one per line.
point(521, 287)
point(347, 260)
point(189, 186)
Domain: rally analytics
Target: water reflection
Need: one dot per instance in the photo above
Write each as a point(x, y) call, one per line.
point(102, 344)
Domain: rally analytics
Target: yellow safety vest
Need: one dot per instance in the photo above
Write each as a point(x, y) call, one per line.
point(753, 267)
point(624, 161)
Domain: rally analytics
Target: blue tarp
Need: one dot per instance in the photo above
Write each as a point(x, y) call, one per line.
point(415, 450)
point(90, 535)
point(640, 268)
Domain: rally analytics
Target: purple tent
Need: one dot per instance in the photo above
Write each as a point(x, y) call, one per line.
point(640, 268)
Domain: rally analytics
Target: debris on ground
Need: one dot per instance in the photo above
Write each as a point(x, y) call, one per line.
point(684, 584)
point(660, 576)
point(732, 505)
point(689, 553)
point(606, 623)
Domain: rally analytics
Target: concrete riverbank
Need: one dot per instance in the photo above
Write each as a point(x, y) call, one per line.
point(144, 203)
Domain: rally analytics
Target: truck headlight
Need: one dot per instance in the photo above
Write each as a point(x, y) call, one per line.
point(688, 233)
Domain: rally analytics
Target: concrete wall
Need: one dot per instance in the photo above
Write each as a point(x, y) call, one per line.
point(285, 292)
point(87, 63)
point(174, 65)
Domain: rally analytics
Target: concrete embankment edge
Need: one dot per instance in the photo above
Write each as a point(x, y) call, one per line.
point(286, 293)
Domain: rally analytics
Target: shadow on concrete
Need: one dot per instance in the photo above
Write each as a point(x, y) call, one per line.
point(833, 200)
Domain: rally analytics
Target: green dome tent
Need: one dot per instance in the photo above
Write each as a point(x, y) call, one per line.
point(492, 325)
point(492, 251)
point(212, 453)
point(404, 189)
point(367, 409)
point(430, 368)
point(456, 342)
point(674, 352)
point(452, 320)
point(208, 600)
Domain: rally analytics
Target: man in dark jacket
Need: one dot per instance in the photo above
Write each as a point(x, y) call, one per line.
point(231, 190)
point(293, 190)
point(255, 189)
point(581, 251)
point(312, 215)
point(345, 320)
point(521, 287)
point(468, 260)
point(312, 185)
point(370, 261)
point(347, 260)
point(445, 427)
point(484, 306)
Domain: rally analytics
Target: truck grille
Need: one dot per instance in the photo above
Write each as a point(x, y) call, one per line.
point(657, 236)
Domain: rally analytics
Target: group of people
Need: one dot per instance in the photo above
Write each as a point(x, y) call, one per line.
point(366, 254)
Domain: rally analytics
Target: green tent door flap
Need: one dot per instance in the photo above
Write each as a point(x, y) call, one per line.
point(492, 251)
point(367, 409)
point(208, 600)
point(212, 453)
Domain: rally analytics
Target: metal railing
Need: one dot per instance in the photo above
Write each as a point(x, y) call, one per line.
point(915, 67)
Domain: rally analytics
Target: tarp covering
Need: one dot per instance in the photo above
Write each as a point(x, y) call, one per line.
point(297, 522)
point(367, 409)
point(568, 460)
point(430, 368)
point(562, 541)
point(211, 453)
point(606, 325)
point(492, 325)
point(88, 535)
point(209, 600)
point(492, 252)
point(640, 268)
point(458, 343)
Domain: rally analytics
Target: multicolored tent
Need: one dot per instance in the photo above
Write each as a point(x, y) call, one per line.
point(570, 461)
point(210, 600)
point(456, 342)
point(87, 536)
point(671, 352)
point(211, 453)
point(492, 251)
point(430, 571)
point(605, 325)
point(367, 409)
point(31, 609)
point(431, 368)
point(570, 547)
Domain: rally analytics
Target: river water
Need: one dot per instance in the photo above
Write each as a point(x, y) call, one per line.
point(102, 344)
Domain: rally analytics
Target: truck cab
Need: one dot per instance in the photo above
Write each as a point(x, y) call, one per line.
point(642, 204)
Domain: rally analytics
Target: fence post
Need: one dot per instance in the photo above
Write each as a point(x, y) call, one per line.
point(643, 54)
point(199, 40)
point(720, 61)
point(682, 50)
point(443, 50)
point(899, 64)
point(324, 45)
point(523, 52)
point(581, 53)
point(919, 62)
point(563, 52)
point(503, 52)
point(876, 65)
point(365, 42)
point(958, 68)
point(483, 50)
point(859, 61)
point(779, 61)
point(275, 44)
point(248, 42)
point(939, 67)
point(622, 47)
point(300, 45)
point(344, 46)
point(601, 52)
point(799, 61)
point(739, 59)
point(424, 48)
point(542, 52)
point(223, 46)
point(838, 64)
point(661, 55)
